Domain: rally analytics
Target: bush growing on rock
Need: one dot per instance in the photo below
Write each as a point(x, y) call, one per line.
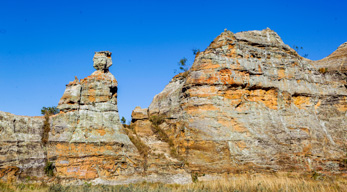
point(50, 110)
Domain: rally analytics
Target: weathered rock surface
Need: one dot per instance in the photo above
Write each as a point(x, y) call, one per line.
point(250, 102)
point(337, 61)
point(21, 151)
point(86, 140)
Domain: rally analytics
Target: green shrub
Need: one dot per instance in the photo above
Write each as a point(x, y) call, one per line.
point(123, 120)
point(156, 120)
point(50, 110)
point(194, 177)
point(49, 169)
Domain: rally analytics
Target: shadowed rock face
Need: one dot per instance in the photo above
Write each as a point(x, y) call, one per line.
point(250, 102)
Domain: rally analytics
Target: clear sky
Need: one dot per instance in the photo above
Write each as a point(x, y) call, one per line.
point(45, 44)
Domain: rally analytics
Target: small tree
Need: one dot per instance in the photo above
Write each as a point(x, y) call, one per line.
point(50, 110)
point(196, 51)
point(297, 49)
point(123, 120)
point(183, 64)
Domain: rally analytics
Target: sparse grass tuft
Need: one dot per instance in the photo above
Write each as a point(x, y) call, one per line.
point(156, 121)
point(141, 147)
point(323, 70)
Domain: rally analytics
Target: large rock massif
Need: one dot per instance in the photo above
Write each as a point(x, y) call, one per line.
point(249, 103)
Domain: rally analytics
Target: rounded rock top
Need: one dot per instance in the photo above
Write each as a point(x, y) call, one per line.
point(102, 60)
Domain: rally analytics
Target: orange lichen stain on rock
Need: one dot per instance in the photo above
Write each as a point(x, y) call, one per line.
point(281, 73)
point(9, 171)
point(238, 77)
point(268, 97)
point(259, 69)
point(237, 96)
point(208, 65)
point(206, 91)
point(102, 132)
point(307, 148)
point(232, 52)
point(78, 160)
point(307, 130)
point(241, 145)
point(317, 105)
point(342, 105)
point(79, 149)
point(91, 95)
point(302, 102)
point(198, 109)
point(81, 169)
point(233, 124)
point(233, 94)
point(224, 76)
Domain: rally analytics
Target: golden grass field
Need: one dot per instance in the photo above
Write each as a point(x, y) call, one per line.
point(274, 182)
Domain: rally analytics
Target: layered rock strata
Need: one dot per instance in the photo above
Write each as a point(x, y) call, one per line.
point(21, 150)
point(251, 103)
point(86, 140)
point(248, 103)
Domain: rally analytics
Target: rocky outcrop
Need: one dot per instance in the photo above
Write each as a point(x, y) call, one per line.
point(251, 103)
point(21, 151)
point(86, 140)
point(337, 61)
point(248, 103)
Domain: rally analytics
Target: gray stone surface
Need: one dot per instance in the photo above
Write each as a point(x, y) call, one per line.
point(102, 60)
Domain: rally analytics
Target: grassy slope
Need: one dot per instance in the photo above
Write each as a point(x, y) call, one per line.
point(277, 182)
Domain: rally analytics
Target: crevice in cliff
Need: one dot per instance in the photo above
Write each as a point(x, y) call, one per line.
point(113, 90)
point(142, 148)
point(46, 128)
point(156, 121)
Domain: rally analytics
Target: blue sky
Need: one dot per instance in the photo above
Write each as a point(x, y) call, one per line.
point(45, 44)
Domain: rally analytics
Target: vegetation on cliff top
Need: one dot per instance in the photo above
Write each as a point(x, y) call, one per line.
point(50, 110)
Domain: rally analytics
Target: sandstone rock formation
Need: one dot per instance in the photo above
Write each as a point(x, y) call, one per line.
point(248, 103)
point(21, 151)
point(251, 103)
point(86, 140)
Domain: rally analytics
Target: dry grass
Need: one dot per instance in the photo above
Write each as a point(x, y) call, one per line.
point(323, 70)
point(156, 122)
point(247, 183)
point(141, 147)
